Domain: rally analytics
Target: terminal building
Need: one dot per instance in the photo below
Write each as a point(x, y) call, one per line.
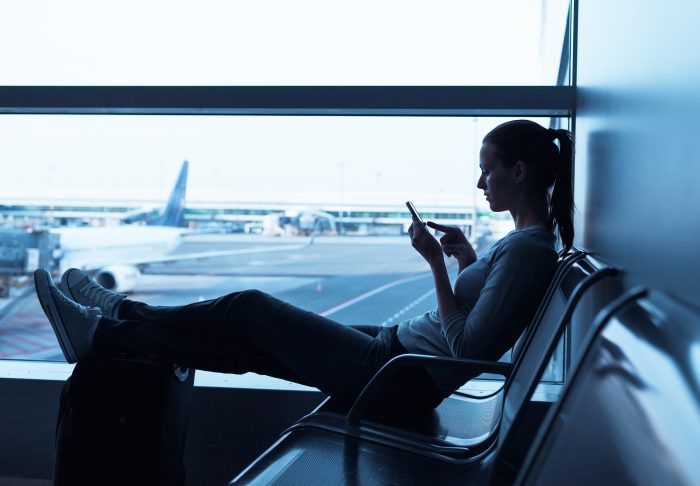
point(239, 217)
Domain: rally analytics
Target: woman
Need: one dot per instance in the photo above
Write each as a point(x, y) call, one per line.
point(494, 298)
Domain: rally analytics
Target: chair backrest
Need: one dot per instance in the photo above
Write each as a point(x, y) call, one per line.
point(563, 266)
point(631, 413)
point(527, 371)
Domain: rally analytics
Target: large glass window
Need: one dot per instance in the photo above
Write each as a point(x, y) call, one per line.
point(278, 42)
point(310, 209)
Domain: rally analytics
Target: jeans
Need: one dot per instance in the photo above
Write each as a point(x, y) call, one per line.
point(251, 331)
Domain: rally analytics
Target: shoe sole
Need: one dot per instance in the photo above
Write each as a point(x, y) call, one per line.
point(42, 284)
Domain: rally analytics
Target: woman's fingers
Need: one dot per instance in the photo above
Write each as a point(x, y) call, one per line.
point(456, 251)
point(447, 250)
point(414, 231)
point(452, 238)
point(424, 242)
point(440, 227)
point(450, 231)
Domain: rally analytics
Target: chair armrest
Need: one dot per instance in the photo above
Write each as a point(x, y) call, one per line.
point(467, 366)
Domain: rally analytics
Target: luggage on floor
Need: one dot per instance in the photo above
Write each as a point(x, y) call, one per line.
point(122, 421)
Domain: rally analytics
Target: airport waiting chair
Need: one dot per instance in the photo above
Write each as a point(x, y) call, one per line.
point(315, 455)
point(631, 412)
point(464, 426)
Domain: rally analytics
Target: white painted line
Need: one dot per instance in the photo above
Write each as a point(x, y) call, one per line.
point(392, 319)
point(370, 293)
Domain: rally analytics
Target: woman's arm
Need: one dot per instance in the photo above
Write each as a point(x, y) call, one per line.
point(518, 271)
point(447, 302)
point(431, 250)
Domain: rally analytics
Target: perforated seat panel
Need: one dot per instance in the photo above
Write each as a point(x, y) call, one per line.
point(313, 456)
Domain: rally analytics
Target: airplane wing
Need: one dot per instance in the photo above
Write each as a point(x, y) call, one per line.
point(136, 215)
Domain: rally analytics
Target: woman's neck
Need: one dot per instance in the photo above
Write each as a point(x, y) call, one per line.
point(530, 213)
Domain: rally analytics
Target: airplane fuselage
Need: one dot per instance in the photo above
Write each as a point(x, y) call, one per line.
point(128, 245)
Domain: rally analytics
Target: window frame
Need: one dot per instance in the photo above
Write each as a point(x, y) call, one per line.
point(506, 101)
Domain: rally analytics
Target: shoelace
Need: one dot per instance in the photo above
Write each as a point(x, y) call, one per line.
point(96, 293)
point(84, 310)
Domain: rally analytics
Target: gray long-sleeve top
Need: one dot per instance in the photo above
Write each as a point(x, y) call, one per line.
point(498, 295)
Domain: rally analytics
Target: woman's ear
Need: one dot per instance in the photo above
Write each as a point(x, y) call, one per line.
point(519, 171)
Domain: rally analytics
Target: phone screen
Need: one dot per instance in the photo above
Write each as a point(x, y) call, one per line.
point(413, 211)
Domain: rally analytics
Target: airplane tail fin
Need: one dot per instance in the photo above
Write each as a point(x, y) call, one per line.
point(173, 214)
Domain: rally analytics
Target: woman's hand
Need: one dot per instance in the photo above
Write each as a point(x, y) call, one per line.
point(455, 244)
point(425, 243)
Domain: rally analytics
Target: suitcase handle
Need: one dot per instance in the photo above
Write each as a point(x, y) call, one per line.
point(180, 372)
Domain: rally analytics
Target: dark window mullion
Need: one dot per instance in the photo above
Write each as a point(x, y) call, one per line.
point(291, 100)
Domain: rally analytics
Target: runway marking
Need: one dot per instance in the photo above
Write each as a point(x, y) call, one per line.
point(370, 293)
point(392, 319)
point(29, 351)
point(5, 344)
point(33, 341)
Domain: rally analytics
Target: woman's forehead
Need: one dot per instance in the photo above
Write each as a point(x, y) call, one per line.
point(487, 154)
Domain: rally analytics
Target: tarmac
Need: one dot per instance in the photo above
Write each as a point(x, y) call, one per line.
point(350, 279)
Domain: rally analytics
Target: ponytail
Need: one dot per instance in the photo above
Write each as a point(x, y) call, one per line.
point(561, 204)
point(551, 166)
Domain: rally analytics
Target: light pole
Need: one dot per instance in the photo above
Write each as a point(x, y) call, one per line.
point(341, 166)
point(475, 165)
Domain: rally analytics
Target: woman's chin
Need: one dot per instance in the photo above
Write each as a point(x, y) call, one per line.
point(495, 208)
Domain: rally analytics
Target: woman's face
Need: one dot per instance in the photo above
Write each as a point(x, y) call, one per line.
point(496, 181)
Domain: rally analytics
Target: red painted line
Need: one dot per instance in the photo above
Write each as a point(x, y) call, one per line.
point(11, 355)
point(16, 337)
point(35, 338)
point(2, 343)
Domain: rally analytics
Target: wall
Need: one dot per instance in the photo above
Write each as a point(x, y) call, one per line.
point(228, 428)
point(638, 125)
point(638, 193)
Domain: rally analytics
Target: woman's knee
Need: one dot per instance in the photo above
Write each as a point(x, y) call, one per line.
point(249, 302)
point(252, 296)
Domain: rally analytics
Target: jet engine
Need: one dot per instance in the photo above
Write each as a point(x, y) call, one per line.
point(119, 278)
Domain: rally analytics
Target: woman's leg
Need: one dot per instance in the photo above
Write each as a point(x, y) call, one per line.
point(251, 331)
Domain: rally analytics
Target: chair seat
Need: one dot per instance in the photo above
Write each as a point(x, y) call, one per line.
point(314, 456)
point(457, 430)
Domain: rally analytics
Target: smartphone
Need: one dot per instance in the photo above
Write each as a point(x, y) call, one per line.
point(413, 211)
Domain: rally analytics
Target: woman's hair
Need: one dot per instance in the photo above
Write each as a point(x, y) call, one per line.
point(551, 165)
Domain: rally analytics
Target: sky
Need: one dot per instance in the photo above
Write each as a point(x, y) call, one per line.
point(272, 42)
point(281, 42)
point(367, 160)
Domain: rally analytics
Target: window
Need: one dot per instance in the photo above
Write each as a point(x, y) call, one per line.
point(278, 43)
point(107, 154)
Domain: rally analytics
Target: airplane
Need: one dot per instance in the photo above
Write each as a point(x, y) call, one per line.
point(116, 256)
point(315, 220)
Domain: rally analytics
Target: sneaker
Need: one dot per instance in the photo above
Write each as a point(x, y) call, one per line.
point(78, 286)
point(74, 324)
